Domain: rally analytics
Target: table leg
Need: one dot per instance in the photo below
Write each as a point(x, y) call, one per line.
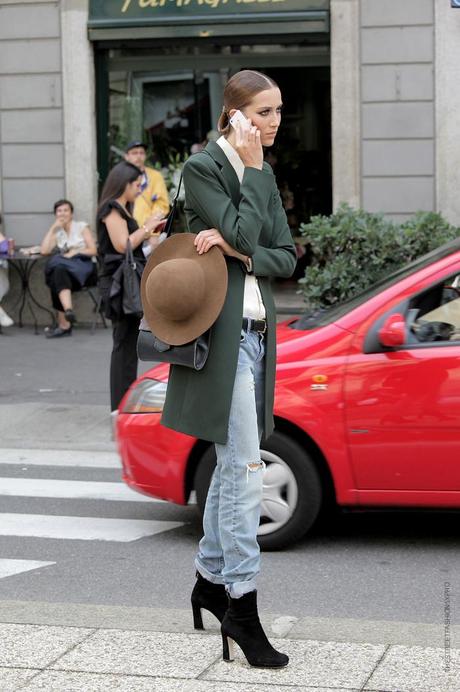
point(24, 270)
point(22, 298)
point(32, 299)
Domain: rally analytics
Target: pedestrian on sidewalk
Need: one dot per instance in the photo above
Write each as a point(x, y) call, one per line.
point(71, 265)
point(115, 224)
point(232, 193)
point(153, 198)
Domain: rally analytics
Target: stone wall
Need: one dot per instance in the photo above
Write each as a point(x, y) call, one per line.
point(31, 117)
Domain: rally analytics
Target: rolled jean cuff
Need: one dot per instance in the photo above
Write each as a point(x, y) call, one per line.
point(209, 576)
point(240, 588)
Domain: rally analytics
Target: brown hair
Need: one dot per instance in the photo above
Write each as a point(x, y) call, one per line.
point(239, 92)
point(119, 177)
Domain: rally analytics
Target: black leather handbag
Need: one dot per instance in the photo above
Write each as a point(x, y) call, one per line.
point(149, 347)
point(191, 355)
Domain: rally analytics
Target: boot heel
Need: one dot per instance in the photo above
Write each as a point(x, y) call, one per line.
point(197, 617)
point(228, 650)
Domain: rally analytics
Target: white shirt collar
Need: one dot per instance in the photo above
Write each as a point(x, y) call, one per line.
point(232, 156)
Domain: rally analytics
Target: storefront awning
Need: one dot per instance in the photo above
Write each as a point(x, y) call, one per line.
point(136, 19)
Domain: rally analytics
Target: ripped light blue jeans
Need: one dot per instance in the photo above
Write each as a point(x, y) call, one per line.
point(229, 553)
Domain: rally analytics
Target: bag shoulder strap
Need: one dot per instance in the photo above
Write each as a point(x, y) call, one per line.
point(169, 223)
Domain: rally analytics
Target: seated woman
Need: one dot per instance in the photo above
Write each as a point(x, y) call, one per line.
point(70, 267)
point(5, 319)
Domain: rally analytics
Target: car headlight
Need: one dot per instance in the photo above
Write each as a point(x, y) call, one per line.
point(147, 396)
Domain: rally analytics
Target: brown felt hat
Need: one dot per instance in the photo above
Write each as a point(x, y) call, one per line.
point(183, 292)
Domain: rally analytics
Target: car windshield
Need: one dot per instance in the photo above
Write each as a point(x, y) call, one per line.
point(323, 316)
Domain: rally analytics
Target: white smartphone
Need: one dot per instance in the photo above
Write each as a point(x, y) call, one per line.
point(238, 117)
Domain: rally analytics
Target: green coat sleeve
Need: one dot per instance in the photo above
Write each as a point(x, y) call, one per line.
point(240, 226)
point(280, 259)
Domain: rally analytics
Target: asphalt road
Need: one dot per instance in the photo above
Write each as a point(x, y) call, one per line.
point(370, 566)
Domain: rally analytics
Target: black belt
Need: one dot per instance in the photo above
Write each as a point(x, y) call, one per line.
point(251, 325)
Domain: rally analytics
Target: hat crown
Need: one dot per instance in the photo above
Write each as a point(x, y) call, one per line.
point(176, 288)
point(182, 291)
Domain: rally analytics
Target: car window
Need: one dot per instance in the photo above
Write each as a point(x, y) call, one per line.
point(434, 315)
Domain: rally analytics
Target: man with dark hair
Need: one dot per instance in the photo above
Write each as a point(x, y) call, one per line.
point(153, 199)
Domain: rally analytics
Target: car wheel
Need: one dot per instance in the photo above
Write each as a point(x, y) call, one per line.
point(292, 493)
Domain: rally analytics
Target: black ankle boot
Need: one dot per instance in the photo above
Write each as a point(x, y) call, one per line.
point(242, 625)
point(207, 595)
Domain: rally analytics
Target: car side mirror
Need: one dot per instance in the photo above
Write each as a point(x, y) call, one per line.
point(393, 331)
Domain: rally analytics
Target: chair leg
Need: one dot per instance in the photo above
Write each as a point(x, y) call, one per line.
point(97, 310)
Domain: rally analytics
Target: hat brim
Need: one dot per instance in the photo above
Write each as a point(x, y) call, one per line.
point(214, 269)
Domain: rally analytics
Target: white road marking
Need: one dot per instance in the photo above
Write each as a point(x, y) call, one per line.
point(82, 528)
point(10, 567)
point(60, 457)
point(70, 490)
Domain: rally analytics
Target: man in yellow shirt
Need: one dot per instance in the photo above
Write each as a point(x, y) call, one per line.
point(153, 198)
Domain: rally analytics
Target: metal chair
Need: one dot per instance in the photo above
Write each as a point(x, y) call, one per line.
point(92, 290)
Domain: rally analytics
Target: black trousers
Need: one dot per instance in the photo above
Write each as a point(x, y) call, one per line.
point(58, 280)
point(123, 363)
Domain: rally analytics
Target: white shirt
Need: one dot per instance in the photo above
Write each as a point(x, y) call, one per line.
point(74, 240)
point(253, 305)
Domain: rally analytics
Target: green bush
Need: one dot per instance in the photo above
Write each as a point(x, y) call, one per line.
point(352, 249)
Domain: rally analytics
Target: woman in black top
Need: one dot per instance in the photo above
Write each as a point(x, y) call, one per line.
point(115, 224)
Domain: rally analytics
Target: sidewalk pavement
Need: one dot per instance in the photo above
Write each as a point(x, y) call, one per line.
point(157, 650)
point(55, 394)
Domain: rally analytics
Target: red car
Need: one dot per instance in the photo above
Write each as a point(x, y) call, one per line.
point(367, 409)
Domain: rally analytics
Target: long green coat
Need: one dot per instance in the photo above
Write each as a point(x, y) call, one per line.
point(252, 220)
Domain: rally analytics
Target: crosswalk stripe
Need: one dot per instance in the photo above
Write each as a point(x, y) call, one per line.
point(81, 528)
point(60, 457)
point(75, 490)
point(9, 567)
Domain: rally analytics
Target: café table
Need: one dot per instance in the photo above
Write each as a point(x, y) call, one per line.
point(23, 265)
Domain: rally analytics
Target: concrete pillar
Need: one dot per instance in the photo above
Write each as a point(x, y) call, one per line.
point(79, 110)
point(345, 96)
point(447, 60)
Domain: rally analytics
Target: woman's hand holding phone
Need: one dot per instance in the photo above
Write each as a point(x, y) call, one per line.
point(155, 224)
point(247, 143)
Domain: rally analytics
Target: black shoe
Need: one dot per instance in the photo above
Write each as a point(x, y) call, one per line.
point(241, 624)
point(70, 316)
point(207, 595)
point(57, 332)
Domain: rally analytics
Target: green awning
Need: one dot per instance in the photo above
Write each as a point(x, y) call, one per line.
point(112, 19)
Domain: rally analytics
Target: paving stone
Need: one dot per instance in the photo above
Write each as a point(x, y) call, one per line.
point(143, 653)
point(315, 664)
point(12, 678)
point(417, 669)
point(57, 681)
point(36, 646)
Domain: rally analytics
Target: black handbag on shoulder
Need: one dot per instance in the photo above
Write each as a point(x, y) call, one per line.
point(125, 296)
point(150, 348)
point(132, 273)
point(191, 355)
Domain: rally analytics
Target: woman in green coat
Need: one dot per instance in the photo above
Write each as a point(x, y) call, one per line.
point(232, 201)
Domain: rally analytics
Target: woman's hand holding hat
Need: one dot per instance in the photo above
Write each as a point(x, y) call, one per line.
point(207, 239)
point(211, 237)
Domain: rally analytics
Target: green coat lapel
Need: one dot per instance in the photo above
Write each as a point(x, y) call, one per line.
point(227, 171)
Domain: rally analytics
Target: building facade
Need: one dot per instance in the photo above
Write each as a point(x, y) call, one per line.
point(372, 106)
